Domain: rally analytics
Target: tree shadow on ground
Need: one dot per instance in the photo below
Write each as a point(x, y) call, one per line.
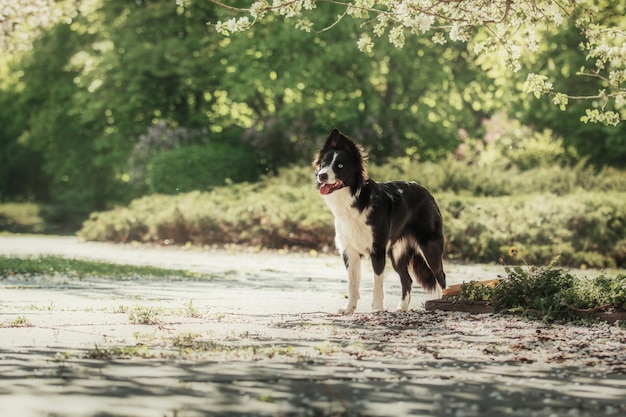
point(384, 364)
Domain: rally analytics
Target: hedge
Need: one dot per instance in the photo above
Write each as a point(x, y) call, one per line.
point(587, 228)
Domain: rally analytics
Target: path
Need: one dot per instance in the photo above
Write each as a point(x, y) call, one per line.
point(256, 337)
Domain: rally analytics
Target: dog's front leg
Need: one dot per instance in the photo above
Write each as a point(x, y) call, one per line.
point(352, 261)
point(378, 264)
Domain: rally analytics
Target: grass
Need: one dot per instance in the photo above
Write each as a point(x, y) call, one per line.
point(54, 265)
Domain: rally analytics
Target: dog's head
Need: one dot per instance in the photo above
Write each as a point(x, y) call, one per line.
point(340, 163)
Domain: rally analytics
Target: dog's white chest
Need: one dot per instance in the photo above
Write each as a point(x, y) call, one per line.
point(352, 232)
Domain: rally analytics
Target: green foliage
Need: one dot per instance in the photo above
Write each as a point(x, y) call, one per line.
point(534, 293)
point(121, 68)
point(273, 214)
point(548, 293)
point(474, 291)
point(53, 265)
point(542, 212)
point(144, 315)
point(200, 167)
point(21, 218)
point(560, 60)
point(585, 228)
point(119, 352)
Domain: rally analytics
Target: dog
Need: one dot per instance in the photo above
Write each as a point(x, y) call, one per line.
point(398, 219)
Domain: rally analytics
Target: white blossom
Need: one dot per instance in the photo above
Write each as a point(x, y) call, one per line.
point(537, 84)
point(365, 44)
point(396, 36)
point(258, 9)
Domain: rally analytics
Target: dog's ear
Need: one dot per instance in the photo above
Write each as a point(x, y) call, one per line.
point(335, 141)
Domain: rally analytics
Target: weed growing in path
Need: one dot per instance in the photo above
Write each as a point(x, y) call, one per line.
point(20, 321)
point(144, 315)
point(121, 352)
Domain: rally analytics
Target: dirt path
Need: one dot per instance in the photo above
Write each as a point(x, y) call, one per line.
point(257, 337)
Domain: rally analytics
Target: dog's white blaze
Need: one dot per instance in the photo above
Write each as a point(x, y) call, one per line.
point(332, 179)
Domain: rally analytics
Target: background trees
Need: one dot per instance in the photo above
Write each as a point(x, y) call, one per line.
point(75, 107)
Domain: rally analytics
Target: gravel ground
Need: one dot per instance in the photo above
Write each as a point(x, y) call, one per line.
point(258, 336)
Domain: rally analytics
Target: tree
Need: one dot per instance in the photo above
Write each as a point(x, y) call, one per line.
point(511, 26)
point(91, 87)
point(558, 58)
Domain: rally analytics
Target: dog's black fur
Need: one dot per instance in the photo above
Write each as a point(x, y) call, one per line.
point(399, 219)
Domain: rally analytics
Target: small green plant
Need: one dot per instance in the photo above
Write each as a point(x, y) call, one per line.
point(144, 315)
point(327, 348)
point(534, 293)
point(121, 309)
point(186, 340)
point(475, 292)
point(191, 310)
point(267, 398)
point(20, 321)
point(122, 352)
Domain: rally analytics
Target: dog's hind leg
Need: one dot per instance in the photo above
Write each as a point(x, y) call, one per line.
point(433, 253)
point(400, 264)
point(352, 260)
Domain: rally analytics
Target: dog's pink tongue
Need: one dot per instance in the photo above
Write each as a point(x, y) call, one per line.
point(325, 189)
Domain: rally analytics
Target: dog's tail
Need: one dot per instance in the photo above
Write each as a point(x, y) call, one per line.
point(428, 270)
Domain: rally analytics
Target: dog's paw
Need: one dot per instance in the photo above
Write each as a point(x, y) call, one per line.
point(376, 307)
point(348, 310)
point(404, 304)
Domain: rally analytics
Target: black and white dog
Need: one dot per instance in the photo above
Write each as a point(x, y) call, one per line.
point(400, 219)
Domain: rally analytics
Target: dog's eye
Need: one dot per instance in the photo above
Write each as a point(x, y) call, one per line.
point(339, 166)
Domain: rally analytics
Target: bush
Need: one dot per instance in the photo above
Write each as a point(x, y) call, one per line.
point(497, 179)
point(548, 293)
point(159, 137)
point(201, 167)
point(586, 228)
point(272, 214)
point(21, 218)
point(535, 293)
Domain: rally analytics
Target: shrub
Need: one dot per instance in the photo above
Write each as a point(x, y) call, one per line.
point(548, 293)
point(273, 214)
point(586, 228)
point(535, 293)
point(21, 218)
point(159, 137)
point(200, 167)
